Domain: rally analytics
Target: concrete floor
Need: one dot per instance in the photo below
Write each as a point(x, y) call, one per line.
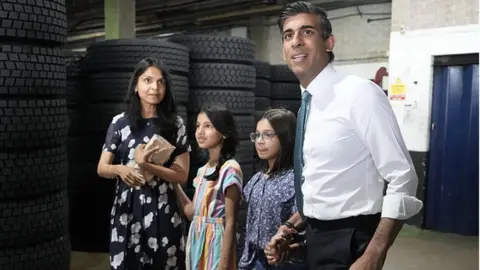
point(414, 249)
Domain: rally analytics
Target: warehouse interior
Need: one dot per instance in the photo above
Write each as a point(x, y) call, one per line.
point(66, 65)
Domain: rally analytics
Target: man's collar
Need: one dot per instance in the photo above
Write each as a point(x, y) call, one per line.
point(324, 80)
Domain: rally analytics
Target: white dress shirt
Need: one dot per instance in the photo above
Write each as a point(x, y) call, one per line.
point(353, 143)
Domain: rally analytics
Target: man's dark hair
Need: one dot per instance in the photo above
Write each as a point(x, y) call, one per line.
point(299, 7)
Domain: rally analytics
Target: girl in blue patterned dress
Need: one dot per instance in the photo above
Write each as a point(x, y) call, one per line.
point(146, 225)
point(270, 193)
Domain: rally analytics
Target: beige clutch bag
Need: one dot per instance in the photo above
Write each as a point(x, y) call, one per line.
point(159, 157)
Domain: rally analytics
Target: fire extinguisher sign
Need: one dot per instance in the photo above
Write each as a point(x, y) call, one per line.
point(397, 90)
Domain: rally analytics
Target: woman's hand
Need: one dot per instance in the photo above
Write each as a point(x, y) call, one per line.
point(130, 176)
point(141, 155)
point(274, 249)
point(278, 249)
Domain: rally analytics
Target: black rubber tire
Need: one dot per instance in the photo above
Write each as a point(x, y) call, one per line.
point(99, 116)
point(32, 173)
point(244, 153)
point(180, 88)
point(75, 94)
point(286, 91)
point(32, 221)
point(263, 88)
point(74, 62)
point(241, 228)
point(86, 148)
point(198, 157)
point(113, 86)
point(51, 255)
point(192, 173)
point(31, 70)
point(237, 102)
point(36, 21)
point(32, 123)
point(83, 177)
point(291, 105)
point(245, 125)
point(205, 48)
point(229, 76)
point(247, 170)
point(124, 54)
point(89, 218)
point(182, 112)
point(75, 125)
point(107, 86)
point(258, 114)
point(262, 70)
point(281, 73)
point(262, 104)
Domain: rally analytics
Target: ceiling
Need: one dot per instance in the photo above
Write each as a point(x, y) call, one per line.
point(159, 16)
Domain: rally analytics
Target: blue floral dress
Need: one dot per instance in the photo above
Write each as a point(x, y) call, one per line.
point(146, 226)
point(271, 202)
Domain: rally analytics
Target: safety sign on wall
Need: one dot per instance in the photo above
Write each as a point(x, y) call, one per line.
point(398, 90)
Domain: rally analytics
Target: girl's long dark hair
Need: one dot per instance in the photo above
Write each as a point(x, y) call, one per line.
point(284, 124)
point(166, 109)
point(223, 121)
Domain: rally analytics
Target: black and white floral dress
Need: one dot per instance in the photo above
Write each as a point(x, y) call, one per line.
point(146, 227)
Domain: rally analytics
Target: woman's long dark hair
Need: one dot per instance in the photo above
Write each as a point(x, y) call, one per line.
point(223, 121)
point(284, 124)
point(166, 109)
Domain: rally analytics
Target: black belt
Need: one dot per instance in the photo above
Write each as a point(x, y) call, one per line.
point(362, 222)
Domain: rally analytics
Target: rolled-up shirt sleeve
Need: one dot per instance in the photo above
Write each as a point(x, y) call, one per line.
point(375, 122)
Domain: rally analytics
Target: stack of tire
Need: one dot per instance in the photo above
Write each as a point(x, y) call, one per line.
point(222, 72)
point(76, 103)
point(109, 66)
point(262, 89)
point(262, 98)
point(33, 133)
point(285, 89)
point(75, 94)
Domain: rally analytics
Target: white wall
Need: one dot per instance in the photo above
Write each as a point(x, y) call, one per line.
point(365, 70)
point(411, 60)
point(361, 47)
point(428, 14)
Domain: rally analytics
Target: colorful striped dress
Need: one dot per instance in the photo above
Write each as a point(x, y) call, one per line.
point(205, 236)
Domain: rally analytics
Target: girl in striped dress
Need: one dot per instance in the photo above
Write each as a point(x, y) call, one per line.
point(211, 243)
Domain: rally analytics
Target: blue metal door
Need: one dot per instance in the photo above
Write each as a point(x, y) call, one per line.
point(452, 173)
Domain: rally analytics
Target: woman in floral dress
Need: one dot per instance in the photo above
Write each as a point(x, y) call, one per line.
point(146, 226)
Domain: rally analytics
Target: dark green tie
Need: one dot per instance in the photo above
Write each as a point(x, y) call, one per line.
point(298, 153)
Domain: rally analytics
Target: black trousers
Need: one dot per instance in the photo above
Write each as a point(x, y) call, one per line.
point(337, 244)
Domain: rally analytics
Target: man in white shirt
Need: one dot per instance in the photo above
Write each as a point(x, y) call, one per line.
point(349, 143)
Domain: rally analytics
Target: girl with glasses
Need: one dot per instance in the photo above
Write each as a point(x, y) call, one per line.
point(270, 193)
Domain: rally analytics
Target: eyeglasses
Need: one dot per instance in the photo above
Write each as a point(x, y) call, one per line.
point(267, 136)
